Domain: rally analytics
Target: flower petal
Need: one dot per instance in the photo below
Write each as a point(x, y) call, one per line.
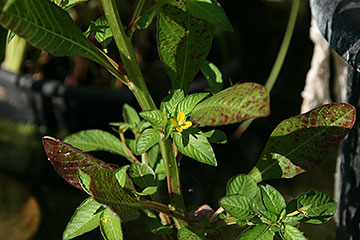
point(181, 117)
point(179, 129)
point(186, 125)
point(173, 122)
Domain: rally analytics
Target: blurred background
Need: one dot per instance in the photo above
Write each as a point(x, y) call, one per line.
point(59, 96)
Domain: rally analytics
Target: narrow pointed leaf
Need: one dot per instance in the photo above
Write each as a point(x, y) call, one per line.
point(84, 181)
point(196, 146)
point(110, 226)
point(146, 140)
point(170, 102)
point(302, 142)
point(257, 232)
point(189, 103)
point(239, 206)
point(183, 43)
point(97, 140)
point(232, 105)
point(67, 161)
point(47, 27)
point(130, 115)
point(211, 11)
point(319, 207)
point(85, 219)
point(242, 184)
point(272, 199)
point(191, 233)
point(121, 175)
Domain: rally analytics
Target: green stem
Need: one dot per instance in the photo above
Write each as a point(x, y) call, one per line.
point(137, 11)
point(278, 62)
point(136, 81)
point(173, 177)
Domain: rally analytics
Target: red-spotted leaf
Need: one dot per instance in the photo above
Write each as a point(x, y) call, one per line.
point(232, 105)
point(302, 142)
point(183, 43)
point(67, 160)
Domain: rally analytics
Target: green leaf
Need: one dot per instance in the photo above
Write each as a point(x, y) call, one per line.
point(211, 11)
point(67, 4)
point(97, 140)
point(257, 232)
point(272, 199)
point(146, 140)
point(142, 175)
point(215, 136)
point(130, 115)
point(85, 219)
point(189, 102)
point(148, 191)
point(158, 227)
point(292, 233)
point(232, 105)
point(196, 146)
point(301, 143)
point(242, 184)
point(191, 233)
point(183, 43)
point(155, 117)
point(101, 30)
point(110, 226)
point(121, 175)
point(48, 27)
point(146, 20)
point(154, 156)
point(213, 77)
point(239, 206)
point(170, 102)
point(84, 180)
point(67, 161)
point(106, 190)
point(318, 207)
point(269, 215)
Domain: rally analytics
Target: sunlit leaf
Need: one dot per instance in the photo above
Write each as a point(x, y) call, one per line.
point(170, 102)
point(191, 233)
point(183, 43)
point(48, 27)
point(257, 232)
point(302, 142)
point(121, 175)
point(85, 219)
point(196, 146)
point(67, 161)
point(232, 105)
point(213, 77)
point(155, 117)
point(110, 226)
point(97, 140)
point(142, 175)
point(189, 102)
point(272, 199)
point(292, 233)
point(242, 184)
point(211, 11)
point(146, 140)
point(130, 115)
point(239, 206)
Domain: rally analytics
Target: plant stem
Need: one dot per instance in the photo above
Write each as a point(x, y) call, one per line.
point(137, 85)
point(173, 177)
point(278, 62)
point(136, 80)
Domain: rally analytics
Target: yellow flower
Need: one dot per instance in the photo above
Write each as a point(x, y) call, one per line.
point(180, 124)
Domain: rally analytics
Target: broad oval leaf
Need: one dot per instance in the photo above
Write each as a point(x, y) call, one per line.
point(196, 146)
point(292, 233)
point(67, 160)
point(142, 175)
point(130, 115)
point(318, 207)
point(237, 103)
point(242, 184)
point(85, 219)
point(239, 206)
point(110, 226)
point(191, 233)
point(48, 27)
point(257, 232)
point(272, 199)
point(300, 143)
point(183, 43)
point(169, 103)
point(97, 140)
point(211, 11)
point(146, 140)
